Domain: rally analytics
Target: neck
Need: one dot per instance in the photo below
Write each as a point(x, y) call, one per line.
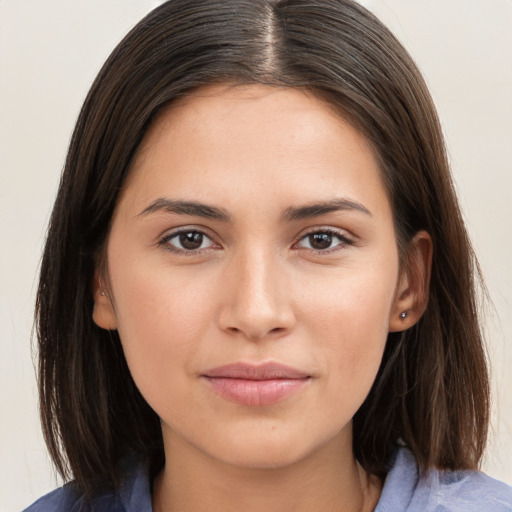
point(330, 479)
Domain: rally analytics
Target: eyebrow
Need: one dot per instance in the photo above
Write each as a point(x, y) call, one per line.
point(322, 208)
point(196, 209)
point(192, 208)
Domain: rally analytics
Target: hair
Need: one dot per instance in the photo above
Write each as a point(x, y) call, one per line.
point(431, 392)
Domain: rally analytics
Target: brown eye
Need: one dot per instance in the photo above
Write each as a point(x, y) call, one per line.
point(187, 241)
point(323, 241)
point(191, 240)
point(320, 241)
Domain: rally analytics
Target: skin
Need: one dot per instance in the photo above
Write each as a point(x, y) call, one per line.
point(256, 291)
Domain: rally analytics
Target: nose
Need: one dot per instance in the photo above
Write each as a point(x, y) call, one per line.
point(257, 302)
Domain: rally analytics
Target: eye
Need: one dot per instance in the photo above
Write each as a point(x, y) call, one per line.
point(323, 240)
point(189, 240)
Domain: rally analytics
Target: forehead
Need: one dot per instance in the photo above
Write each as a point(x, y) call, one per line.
point(226, 138)
point(254, 114)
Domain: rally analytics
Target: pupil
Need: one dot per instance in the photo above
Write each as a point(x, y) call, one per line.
point(320, 240)
point(191, 240)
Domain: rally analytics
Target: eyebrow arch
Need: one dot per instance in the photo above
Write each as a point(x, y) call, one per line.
point(323, 208)
point(193, 208)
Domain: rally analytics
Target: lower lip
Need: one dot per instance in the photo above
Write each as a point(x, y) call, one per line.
point(255, 392)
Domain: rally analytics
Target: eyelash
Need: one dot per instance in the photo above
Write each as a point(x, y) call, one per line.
point(164, 242)
point(345, 241)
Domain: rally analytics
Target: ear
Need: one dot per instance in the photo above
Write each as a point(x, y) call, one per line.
point(103, 313)
point(413, 285)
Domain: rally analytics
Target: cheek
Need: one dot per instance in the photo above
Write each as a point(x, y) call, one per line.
point(162, 319)
point(347, 315)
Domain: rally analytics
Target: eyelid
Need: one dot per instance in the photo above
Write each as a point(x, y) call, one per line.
point(342, 235)
point(345, 238)
point(163, 240)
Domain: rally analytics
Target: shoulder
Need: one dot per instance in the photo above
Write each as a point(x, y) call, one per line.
point(405, 489)
point(464, 491)
point(133, 495)
point(68, 499)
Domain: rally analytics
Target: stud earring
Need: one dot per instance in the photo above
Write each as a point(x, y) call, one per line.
point(403, 314)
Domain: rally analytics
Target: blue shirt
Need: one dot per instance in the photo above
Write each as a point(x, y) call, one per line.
point(404, 491)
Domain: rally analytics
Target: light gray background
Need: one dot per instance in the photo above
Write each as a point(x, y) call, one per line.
point(50, 51)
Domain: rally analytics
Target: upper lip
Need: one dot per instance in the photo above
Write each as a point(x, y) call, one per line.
point(250, 371)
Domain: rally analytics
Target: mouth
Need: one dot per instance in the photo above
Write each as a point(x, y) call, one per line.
point(255, 385)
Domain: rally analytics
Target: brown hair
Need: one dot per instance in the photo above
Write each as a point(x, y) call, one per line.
point(431, 392)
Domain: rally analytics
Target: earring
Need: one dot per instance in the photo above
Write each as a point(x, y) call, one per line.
point(403, 314)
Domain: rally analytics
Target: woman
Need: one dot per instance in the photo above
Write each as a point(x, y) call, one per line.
point(257, 289)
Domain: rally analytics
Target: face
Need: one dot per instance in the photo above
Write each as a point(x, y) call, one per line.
point(253, 271)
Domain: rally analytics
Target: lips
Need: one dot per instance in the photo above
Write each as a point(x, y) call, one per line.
point(255, 385)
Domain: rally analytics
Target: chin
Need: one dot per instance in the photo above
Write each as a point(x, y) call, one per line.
point(274, 448)
point(264, 457)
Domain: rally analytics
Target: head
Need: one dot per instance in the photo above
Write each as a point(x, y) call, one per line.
point(429, 387)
